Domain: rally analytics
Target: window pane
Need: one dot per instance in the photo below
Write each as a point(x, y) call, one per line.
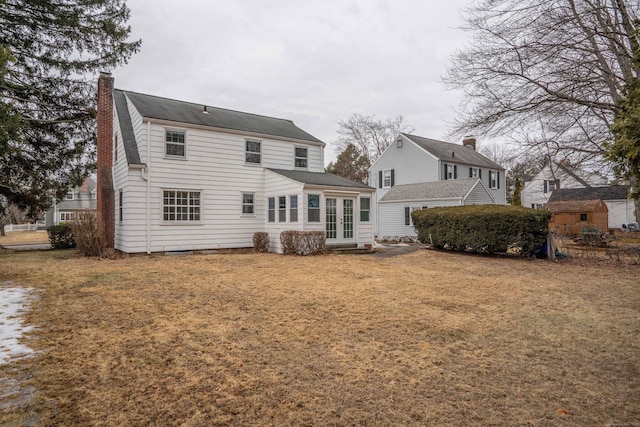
point(282, 209)
point(272, 209)
point(313, 203)
point(252, 152)
point(247, 203)
point(181, 205)
point(293, 208)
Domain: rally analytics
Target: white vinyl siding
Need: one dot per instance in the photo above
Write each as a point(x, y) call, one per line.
point(217, 168)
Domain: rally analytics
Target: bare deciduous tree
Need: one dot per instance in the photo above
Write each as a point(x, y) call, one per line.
point(370, 135)
point(550, 72)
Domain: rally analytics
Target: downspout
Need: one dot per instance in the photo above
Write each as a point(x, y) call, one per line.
point(148, 188)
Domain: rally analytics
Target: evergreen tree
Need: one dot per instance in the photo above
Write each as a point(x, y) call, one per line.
point(50, 54)
point(351, 164)
point(516, 199)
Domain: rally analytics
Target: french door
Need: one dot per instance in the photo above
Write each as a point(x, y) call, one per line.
point(340, 220)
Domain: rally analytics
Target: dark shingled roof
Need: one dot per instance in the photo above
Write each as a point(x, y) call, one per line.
point(575, 206)
point(154, 107)
point(614, 192)
point(461, 154)
point(317, 178)
point(449, 189)
point(126, 127)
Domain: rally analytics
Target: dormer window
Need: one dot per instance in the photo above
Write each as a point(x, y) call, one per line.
point(301, 155)
point(68, 196)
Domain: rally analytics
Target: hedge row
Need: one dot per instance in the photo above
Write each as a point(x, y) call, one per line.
point(482, 229)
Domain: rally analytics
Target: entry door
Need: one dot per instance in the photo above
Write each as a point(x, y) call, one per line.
point(340, 220)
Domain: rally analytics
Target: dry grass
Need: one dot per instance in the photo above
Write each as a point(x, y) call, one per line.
point(426, 338)
point(19, 237)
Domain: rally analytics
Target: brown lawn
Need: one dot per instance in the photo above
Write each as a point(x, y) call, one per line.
point(24, 237)
point(427, 338)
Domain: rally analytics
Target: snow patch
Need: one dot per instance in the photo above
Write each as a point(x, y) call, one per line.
point(13, 303)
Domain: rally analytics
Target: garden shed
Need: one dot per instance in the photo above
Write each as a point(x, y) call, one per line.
point(570, 217)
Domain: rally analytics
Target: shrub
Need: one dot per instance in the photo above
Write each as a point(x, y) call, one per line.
point(87, 233)
point(61, 236)
point(483, 228)
point(261, 242)
point(302, 242)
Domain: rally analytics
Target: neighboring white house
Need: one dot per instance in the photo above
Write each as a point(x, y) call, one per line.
point(77, 200)
point(616, 197)
point(179, 176)
point(448, 175)
point(537, 191)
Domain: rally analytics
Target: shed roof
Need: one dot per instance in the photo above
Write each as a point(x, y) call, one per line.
point(614, 192)
point(453, 152)
point(448, 189)
point(155, 107)
point(575, 206)
point(319, 178)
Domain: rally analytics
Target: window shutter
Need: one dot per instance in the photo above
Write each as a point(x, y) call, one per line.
point(407, 218)
point(545, 185)
point(498, 179)
point(444, 170)
point(393, 179)
point(479, 173)
point(470, 172)
point(379, 179)
point(455, 171)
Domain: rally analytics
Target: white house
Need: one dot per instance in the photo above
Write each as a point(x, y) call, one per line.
point(179, 176)
point(537, 191)
point(621, 209)
point(416, 172)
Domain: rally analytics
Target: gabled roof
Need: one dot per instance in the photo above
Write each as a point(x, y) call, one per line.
point(575, 206)
point(448, 189)
point(155, 107)
point(457, 153)
point(126, 128)
point(321, 179)
point(614, 192)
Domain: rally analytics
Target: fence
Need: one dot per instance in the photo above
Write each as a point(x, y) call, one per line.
point(24, 227)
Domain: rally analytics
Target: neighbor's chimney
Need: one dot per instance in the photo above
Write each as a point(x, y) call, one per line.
point(469, 141)
point(106, 194)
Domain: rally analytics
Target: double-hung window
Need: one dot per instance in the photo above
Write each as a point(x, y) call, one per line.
point(494, 179)
point(473, 173)
point(271, 214)
point(301, 156)
point(313, 207)
point(365, 208)
point(120, 207)
point(386, 179)
point(282, 208)
point(174, 143)
point(551, 185)
point(253, 152)
point(293, 208)
point(180, 205)
point(247, 204)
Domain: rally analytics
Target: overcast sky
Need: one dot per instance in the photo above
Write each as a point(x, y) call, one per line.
point(313, 62)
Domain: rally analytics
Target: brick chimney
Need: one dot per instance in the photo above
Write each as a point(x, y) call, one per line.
point(469, 141)
point(106, 194)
